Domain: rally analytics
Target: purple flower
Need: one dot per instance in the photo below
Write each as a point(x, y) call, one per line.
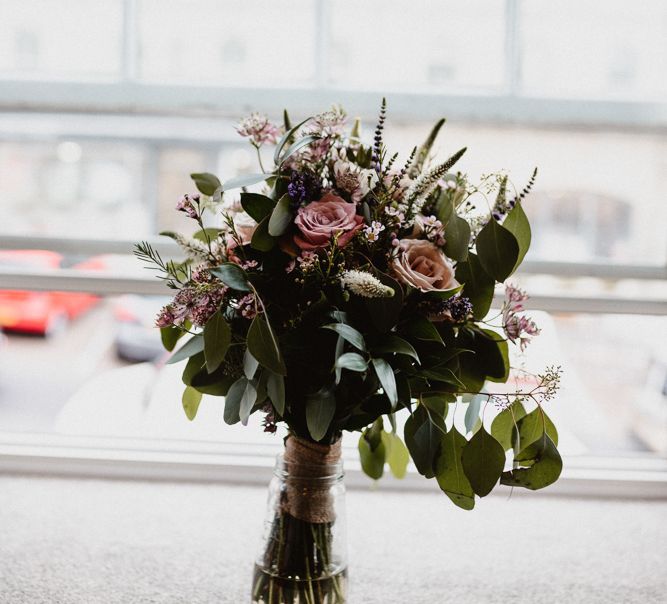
point(189, 203)
point(258, 129)
point(303, 187)
point(517, 327)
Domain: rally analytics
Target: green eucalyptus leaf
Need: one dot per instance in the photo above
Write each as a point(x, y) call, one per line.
point(348, 333)
point(441, 374)
point(545, 466)
point(422, 329)
point(532, 426)
point(205, 235)
point(247, 402)
point(351, 361)
point(457, 238)
point(263, 345)
point(217, 338)
point(233, 401)
point(422, 437)
point(372, 460)
point(472, 412)
point(261, 240)
point(489, 357)
point(498, 250)
point(298, 145)
point(257, 206)
point(281, 217)
point(392, 344)
point(517, 223)
point(483, 461)
point(170, 336)
point(191, 399)
point(478, 285)
point(275, 387)
point(438, 402)
point(387, 378)
point(250, 365)
point(193, 346)
point(449, 470)
point(285, 139)
point(232, 275)
point(340, 347)
point(244, 181)
point(320, 409)
point(504, 425)
point(207, 183)
point(396, 454)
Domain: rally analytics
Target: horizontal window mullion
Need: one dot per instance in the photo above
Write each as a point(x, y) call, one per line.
point(160, 98)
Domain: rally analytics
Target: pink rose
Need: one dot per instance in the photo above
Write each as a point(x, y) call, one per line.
point(320, 220)
point(422, 265)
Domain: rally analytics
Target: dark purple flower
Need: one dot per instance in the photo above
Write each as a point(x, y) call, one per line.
point(303, 187)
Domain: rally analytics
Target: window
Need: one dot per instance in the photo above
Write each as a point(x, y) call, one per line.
point(100, 126)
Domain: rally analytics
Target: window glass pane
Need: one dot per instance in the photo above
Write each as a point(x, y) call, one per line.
point(227, 43)
point(73, 188)
point(76, 38)
point(432, 45)
point(612, 49)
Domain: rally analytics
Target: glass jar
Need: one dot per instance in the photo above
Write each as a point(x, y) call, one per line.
point(303, 557)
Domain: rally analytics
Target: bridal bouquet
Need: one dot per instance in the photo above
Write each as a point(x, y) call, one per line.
point(347, 287)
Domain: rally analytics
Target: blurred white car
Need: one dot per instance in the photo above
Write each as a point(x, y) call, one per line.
point(137, 339)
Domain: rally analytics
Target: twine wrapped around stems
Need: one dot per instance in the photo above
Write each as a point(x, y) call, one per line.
point(311, 468)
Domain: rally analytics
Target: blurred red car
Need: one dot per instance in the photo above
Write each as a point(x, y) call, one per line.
point(37, 312)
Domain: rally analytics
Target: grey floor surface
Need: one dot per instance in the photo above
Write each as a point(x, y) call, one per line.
point(91, 541)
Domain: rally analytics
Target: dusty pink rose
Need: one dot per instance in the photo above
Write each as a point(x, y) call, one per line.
point(320, 220)
point(422, 265)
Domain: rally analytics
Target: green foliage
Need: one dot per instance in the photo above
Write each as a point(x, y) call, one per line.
point(191, 399)
point(261, 240)
point(472, 412)
point(498, 250)
point(422, 436)
point(232, 275)
point(517, 223)
point(386, 376)
point(372, 456)
point(257, 206)
point(422, 329)
point(392, 344)
point(396, 454)
point(532, 426)
point(449, 470)
point(483, 460)
point(194, 345)
point(233, 401)
point(504, 426)
point(457, 238)
point(206, 183)
point(320, 409)
point(425, 148)
point(217, 338)
point(438, 402)
point(384, 312)
point(298, 145)
point(348, 333)
point(170, 336)
point(263, 345)
point(205, 235)
point(351, 361)
point(247, 401)
point(285, 139)
point(281, 217)
point(478, 285)
point(542, 465)
point(275, 388)
point(244, 181)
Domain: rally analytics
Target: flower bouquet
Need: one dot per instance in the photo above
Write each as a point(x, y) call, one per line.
point(347, 289)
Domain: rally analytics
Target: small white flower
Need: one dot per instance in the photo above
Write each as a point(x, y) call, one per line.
point(365, 285)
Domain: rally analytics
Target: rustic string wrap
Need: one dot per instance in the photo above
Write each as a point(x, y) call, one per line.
point(311, 469)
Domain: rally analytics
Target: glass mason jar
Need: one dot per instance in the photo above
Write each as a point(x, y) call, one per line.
point(303, 557)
